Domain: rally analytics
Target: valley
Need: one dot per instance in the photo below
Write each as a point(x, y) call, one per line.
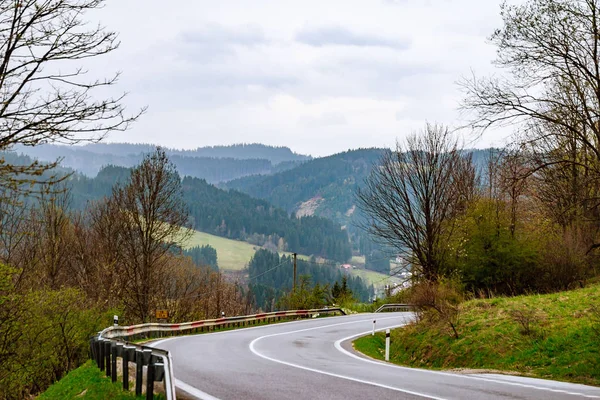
point(234, 256)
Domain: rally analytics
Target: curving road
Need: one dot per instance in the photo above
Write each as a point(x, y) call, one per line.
point(313, 359)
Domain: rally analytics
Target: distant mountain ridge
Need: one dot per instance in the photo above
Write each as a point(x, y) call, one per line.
point(242, 151)
point(215, 164)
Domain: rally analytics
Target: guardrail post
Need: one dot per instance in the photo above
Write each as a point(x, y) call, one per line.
point(101, 354)
point(92, 348)
point(139, 369)
point(107, 357)
point(113, 362)
point(150, 382)
point(128, 355)
point(98, 346)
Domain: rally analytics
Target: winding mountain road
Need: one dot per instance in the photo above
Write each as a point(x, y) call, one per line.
point(313, 359)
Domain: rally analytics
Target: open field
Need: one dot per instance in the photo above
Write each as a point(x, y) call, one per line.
point(554, 336)
point(234, 255)
point(375, 278)
point(358, 260)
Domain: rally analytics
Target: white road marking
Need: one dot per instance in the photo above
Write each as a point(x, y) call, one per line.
point(205, 396)
point(189, 389)
point(338, 345)
point(194, 391)
point(253, 350)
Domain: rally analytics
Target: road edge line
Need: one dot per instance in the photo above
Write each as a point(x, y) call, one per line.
point(253, 350)
point(338, 346)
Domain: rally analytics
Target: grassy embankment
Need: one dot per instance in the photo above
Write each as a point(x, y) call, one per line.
point(234, 255)
point(562, 341)
point(86, 382)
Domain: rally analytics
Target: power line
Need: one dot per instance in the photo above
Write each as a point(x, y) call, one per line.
point(269, 270)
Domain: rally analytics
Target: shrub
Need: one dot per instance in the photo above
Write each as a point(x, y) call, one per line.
point(438, 302)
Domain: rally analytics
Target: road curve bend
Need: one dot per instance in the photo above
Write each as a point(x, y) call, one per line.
point(313, 359)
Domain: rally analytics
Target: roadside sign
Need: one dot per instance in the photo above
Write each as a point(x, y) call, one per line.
point(162, 314)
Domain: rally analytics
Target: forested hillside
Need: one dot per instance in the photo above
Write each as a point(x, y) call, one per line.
point(329, 181)
point(234, 215)
point(215, 164)
point(271, 277)
point(238, 216)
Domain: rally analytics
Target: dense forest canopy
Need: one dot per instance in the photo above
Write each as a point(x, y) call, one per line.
point(271, 276)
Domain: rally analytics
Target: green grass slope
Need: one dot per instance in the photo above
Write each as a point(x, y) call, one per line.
point(234, 255)
point(86, 382)
point(554, 336)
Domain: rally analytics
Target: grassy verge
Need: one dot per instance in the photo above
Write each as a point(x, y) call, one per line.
point(86, 382)
point(553, 336)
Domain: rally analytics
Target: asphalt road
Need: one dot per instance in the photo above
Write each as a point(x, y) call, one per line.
point(313, 359)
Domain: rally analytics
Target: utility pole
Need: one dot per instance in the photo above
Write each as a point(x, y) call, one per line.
point(295, 269)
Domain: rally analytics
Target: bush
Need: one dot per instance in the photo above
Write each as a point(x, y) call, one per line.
point(45, 334)
point(528, 318)
point(438, 303)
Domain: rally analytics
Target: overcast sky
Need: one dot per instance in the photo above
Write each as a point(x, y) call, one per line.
point(318, 76)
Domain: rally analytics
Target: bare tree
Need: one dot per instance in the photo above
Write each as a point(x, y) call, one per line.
point(55, 239)
point(551, 51)
point(514, 172)
point(14, 216)
point(411, 198)
point(150, 220)
point(45, 92)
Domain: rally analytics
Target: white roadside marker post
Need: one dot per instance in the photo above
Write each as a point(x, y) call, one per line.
point(387, 345)
point(373, 334)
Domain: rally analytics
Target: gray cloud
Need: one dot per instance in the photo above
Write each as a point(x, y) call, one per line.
point(326, 119)
point(343, 37)
point(248, 35)
point(364, 73)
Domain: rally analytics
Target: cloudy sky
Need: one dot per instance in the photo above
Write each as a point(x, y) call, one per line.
point(318, 76)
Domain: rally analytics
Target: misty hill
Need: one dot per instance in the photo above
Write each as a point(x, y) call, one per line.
point(275, 155)
point(199, 163)
point(242, 151)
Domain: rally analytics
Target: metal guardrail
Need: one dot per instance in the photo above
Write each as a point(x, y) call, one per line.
point(106, 347)
point(126, 331)
point(407, 307)
point(158, 363)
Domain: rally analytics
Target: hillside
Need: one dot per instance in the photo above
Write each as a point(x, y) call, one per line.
point(215, 164)
point(234, 255)
point(551, 336)
point(234, 215)
point(323, 186)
